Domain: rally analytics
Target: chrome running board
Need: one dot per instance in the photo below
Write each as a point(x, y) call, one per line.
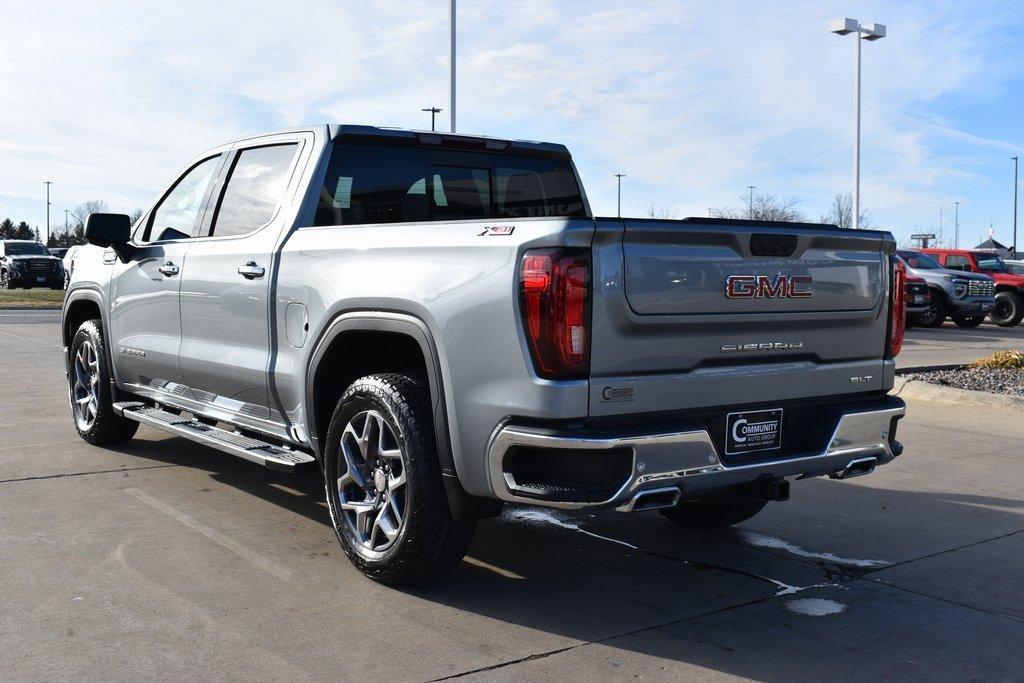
point(260, 452)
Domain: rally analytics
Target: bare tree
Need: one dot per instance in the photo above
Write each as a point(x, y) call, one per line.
point(82, 211)
point(135, 215)
point(840, 212)
point(664, 211)
point(763, 207)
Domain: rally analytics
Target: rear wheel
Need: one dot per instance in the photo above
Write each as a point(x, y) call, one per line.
point(384, 486)
point(5, 280)
point(1009, 309)
point(89, 390)
point(713, 513)
point(971, 321)
point(935, 313)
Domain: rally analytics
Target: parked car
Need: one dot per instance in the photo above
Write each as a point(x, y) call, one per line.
point(1016, 267)
point(27, 263)
point(58, 251)
point(919, 299)
point(440, 325)
point(964, 297)
point(1009, 308)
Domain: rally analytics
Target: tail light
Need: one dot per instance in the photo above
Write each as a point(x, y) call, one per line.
point(897, 309)
point(554, 289)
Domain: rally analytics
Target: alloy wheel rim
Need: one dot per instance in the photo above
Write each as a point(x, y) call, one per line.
point(84, 392)
point(1001, 311)
point(372, 486)
point(929, 315)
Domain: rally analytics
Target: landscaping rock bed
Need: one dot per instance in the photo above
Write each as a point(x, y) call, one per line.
point(1006, 381)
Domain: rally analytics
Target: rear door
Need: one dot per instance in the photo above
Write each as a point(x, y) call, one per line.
point(702, 313)
point(225, 290)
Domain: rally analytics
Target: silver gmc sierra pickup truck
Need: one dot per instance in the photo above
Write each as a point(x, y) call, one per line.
point(440, 326)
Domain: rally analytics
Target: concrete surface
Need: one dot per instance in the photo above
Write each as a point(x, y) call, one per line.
point(163, 559)
point(952, 345)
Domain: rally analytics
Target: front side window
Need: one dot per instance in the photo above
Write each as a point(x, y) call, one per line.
point(176, 215)
point(390, 184)
point(254, 188)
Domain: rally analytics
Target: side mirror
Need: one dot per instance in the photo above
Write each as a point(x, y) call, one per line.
point(112, 230)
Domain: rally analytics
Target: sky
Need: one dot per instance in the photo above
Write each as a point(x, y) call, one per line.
point(693, 101)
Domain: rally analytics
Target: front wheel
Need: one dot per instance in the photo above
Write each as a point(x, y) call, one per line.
point(1009, 309)
point(89, 390)
point(384, 486)
point(713, 513)
point(971, 321)
point(934, 314)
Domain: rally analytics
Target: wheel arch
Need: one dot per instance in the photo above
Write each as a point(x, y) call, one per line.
point(358, 343)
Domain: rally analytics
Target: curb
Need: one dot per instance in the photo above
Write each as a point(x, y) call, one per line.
point(926, 391)
point(25, 315)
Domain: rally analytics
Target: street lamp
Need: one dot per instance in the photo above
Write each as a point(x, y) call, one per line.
point(619, 177)
point(867, 32)
point(1014, 207)
point(451, 66)
point(48, 183)
point(956, 225)
point(750, 204)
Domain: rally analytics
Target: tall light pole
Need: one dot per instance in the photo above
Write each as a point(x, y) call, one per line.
point(48, 183)
point(619, 177)
point(750, 203)
point(956, 225)
point(867, 32)
point(451, 65)
point(1015, 207)
point(434, 111)
point(65, 221)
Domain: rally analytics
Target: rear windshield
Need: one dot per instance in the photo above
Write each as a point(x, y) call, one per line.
point(25, 249)
point(380, 184)
point(919, 261)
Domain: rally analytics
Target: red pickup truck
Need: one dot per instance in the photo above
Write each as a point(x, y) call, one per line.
point(1009, 308)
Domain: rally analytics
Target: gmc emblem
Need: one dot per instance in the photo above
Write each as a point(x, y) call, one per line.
point(764, 287)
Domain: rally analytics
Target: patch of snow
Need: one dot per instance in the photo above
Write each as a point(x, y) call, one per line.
point(815, 607)
point(766, 541)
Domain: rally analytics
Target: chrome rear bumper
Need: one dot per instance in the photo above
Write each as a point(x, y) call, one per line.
point(689, 459)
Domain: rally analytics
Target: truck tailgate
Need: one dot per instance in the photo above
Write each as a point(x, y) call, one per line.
point(701, 312)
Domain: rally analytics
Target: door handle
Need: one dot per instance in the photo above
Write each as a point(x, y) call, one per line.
point(251, 271)
point(169, 269)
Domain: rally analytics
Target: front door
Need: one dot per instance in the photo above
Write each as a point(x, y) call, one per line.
point(225, 291)
point(144, 319)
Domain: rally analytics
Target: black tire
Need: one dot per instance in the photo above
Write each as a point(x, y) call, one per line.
point(935, 313)
point(1009, 309)
point(428, 541)
point(5, 280)
point(105, 428)
point(971, 321)
point(714, 513)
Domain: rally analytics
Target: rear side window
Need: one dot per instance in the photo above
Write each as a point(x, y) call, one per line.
point(957, 262)
point(381, 184)
point(254, 188)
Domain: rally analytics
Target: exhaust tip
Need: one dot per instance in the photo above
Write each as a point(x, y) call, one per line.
point(856, 468)
point(652, 499)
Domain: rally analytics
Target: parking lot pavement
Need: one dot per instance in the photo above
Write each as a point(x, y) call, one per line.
point(165, 559)
point(952, 345)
